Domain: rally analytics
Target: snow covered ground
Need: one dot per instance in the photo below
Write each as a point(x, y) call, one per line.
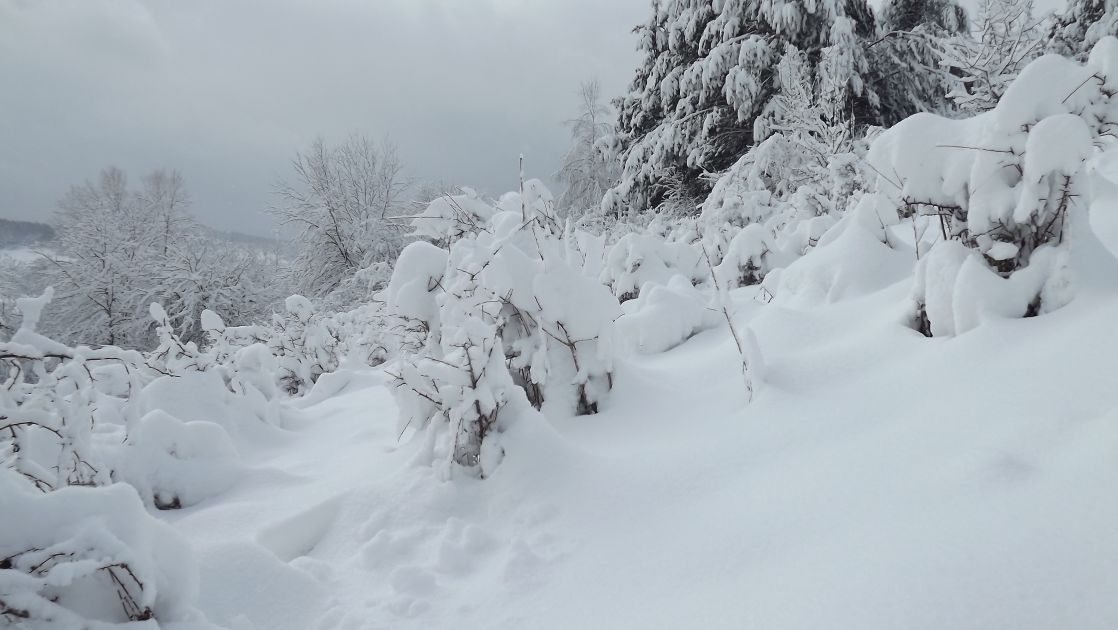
point(879, 480)
point(19, 255)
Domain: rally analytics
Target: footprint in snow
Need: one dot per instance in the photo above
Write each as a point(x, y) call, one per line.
point(463, 547)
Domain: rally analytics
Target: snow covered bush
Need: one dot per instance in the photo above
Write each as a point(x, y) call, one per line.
point(638, 259)
point(289, 352)
point(77, 550)
point(505, 312)
point(1004, 192)
point(47, 402)
point(81, 557)
point(663, 317)
point(175, 464)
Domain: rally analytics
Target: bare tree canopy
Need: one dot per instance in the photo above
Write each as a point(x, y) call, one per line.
point(586, 171)
point(340, 200)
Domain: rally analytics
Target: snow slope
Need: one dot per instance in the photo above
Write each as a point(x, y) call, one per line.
point(879, 480)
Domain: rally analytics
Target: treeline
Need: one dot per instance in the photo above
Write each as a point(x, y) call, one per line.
point(24, 233)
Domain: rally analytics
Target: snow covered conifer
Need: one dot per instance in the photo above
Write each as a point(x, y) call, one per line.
point(706, 77)
point(906, 72)
point(1083, 23)
point(906, 15)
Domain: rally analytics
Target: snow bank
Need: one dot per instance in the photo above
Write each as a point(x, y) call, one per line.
point(663, 316)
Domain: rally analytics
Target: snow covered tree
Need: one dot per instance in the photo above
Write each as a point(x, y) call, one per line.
point(907, 15)
point(341, 202)
point(586, 170)
point(905, 61)
point(122, 249)
point(166, 201)
point(1075, 32)
point(706, 77)
point(1008, 38)
point(200, 272)
point(101, 274)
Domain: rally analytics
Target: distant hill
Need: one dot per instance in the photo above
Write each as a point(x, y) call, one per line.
point(28, 233)
point(24, 233)
point(241, 237)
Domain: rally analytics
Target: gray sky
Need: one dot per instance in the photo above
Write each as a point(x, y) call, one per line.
point(226, 90)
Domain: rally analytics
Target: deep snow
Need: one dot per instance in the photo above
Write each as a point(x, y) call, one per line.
point(878, 480)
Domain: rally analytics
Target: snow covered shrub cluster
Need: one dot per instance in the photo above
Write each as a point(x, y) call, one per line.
point(299, 345)
point(499, 311)
point(663, 316)
point(998, 202)
point(84, 552)
point(637, 259)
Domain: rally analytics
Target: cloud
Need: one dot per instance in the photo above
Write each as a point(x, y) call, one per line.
point(227, 91)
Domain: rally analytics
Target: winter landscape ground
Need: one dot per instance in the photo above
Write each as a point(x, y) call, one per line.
point(879, 479)
point(818, 334)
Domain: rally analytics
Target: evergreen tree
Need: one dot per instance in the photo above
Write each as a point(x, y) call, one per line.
point(905, 60)
point(908, 15)
point(1075, 32)
point(708, 74)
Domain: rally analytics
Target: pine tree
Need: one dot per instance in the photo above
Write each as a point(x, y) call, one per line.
point(908, 15)
point(1075, 32)
point(708, 74)
point(905, 60)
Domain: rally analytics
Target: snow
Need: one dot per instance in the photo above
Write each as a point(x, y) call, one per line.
point(879, 480)
point(211, 321)
point(1058, 144)
point(18, 255)
point(32, 309)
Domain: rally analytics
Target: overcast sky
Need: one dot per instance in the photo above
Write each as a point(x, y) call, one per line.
point(226, 91)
